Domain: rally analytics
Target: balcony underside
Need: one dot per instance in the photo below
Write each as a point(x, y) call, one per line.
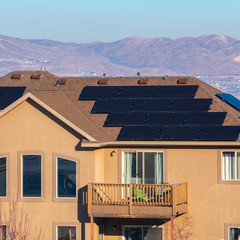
point(151, 212)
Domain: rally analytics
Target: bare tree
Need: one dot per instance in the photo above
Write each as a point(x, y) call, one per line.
point(182, 227)
point(16, 224)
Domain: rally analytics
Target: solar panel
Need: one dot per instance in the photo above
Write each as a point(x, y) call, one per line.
point(165, 118)
point(93, 92)
point(219, 133)
point(139, 92)
point(205, 118)
point(125, 119)
point(179, 133)
point(177, 91)
point(191, 104)
point(112, 105)
point(151, 105)
point(139, 133)
point(230, 99)
point(9, 95)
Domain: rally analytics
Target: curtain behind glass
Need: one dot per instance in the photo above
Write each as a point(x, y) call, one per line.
point(160, 168)
point(130, 167)
point(31, 175)
point(228, 165)
point(3, 175)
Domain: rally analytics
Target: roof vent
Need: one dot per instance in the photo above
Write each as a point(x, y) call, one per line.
point(62, 81)
point(182, 81)
point(16, 76)
point(165, 77)
point(36, 76)
point(138, 74)
point(102, 82)
point(142, 81)
point(104, 74)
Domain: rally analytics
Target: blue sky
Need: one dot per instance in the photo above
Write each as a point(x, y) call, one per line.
point(110, 20)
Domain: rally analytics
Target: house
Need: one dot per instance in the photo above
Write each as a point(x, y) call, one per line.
point(120, 158)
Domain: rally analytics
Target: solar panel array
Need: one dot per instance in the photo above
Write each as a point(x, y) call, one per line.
point(163, 113)
point(230, 99)
point(9, 95)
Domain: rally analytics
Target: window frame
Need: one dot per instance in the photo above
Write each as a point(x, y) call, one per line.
point(227, 227)
point(55, 197)
point(220, 166)
point(20, 176)
point(8, 178)
point(55, 226)
point(121, 162)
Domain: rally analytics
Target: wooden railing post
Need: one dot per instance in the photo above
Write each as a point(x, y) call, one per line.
point(174, 200)
point(89, 197)
point(130, 199)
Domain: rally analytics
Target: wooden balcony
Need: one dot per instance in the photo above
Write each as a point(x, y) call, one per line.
point(163, 201)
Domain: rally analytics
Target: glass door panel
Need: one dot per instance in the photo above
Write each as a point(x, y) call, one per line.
point(142, 233)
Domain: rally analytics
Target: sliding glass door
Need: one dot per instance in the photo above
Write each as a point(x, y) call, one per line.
point(142, 167)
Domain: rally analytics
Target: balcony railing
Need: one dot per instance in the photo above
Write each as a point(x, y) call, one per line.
point(165, 197)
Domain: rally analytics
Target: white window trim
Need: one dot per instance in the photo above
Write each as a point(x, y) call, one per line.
point(235, 166)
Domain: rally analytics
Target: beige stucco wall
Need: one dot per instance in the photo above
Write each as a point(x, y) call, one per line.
point(25, 128)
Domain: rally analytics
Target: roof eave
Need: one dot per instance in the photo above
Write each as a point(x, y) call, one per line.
point(160, 144)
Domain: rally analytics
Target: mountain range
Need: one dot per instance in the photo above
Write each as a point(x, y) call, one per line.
point(204, 55)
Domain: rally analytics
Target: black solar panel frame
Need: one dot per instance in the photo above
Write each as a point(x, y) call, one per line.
point(99, 92)
point(165, 118)
point(195, 104)
point(179, 133)
point(139, 133)
point(112, 105)
point(219, 133)
point(9, 95)
point(205, 118)
point(151, 105)
point(125, 119)
point(177, 91)
point(139, 92)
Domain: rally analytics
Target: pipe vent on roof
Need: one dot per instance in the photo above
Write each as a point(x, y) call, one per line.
point(16, 76)
point(182, 81)
point(142, 81)
point(36, 76)
point(102, 82)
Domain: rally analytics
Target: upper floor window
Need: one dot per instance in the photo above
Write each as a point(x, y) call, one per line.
point(230, 165)
point(3, 177)
point(142, 167)
point(66, 178)
point(31, 175)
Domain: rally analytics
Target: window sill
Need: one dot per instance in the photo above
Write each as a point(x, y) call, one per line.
point(221, 181)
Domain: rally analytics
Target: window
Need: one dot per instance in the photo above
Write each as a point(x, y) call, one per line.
point(3, 230)
point(66, 233)
point(143, 167)
point(66, 178)
point(3, 177)
point(230, 165)
point(142, 233)
point(31, 175)
point(234, 233)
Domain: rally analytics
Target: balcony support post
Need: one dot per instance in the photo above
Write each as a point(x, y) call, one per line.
point(91, 220)
point(130, 198)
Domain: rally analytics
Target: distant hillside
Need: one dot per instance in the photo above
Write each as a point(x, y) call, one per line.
point(205, 55)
